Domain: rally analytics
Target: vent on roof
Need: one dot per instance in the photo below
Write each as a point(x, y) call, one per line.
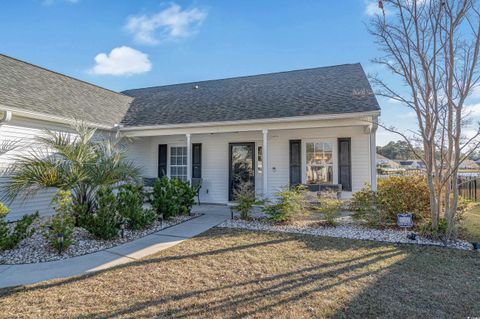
point(195, 87)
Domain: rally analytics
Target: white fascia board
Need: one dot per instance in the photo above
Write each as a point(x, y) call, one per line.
point(50, 118)
point(248, 125)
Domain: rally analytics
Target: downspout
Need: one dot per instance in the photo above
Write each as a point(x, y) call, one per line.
point(373, 153)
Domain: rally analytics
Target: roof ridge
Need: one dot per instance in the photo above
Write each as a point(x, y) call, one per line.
point(242, 76)
point(61, 74)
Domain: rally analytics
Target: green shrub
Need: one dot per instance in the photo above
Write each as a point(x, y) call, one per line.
point(3, 210)
point(400, 194)
point(363, 202)
point(185, 195)
point(440, 233)
point(290, 204)
point(172, 197)
point(245, 200)
point(330, 206)
point(395, 195)
point(63, 223)
point(130, 207)
point(105, 222)
point(9, 238)
point(364, 207)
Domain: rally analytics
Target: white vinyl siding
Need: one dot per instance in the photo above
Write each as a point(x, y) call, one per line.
point(24, 131)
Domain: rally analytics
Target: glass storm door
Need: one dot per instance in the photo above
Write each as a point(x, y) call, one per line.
point(242, 168)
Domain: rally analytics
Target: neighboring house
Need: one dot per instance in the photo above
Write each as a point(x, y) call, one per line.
point(314, 126)
point(382, 161)
point(411, 164)
point(469, 165)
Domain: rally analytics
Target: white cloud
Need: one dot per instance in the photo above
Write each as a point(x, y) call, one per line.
point(121, 61)
point(475, 93)
point(372, 9)
point(473, 109)
point(170, 23)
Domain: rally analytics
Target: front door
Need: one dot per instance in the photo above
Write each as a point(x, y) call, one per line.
point(242, 168)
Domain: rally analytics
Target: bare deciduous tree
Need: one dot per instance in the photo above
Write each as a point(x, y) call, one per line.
point(433, 47)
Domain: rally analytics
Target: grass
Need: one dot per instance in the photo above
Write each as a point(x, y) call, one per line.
point(471, 223)
point(237, 274)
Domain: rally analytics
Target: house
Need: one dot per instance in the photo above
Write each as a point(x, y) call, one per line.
point(412, 164)
point(314, 126)
point(469, 164)
point(385, 162)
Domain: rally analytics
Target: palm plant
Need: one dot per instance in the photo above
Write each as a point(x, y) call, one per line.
point(81, 162)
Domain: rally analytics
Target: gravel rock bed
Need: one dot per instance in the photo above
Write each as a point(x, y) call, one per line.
point(343, 231)
point(36, 248)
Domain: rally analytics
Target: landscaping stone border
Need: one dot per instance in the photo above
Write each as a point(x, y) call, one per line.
point(36, 248)
point(344, 231)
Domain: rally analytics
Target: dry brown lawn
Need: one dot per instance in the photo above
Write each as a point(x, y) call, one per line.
point(236, 274)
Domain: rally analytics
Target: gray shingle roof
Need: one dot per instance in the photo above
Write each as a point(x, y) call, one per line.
point(319, 91)
point(32, 88)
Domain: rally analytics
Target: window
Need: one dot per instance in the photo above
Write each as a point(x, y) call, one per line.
point(319, 162)
point(178, 162)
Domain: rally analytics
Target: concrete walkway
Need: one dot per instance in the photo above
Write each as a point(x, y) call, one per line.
point(14, 275)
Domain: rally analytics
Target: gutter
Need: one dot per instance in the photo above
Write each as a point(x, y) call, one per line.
point(7, 117)
point(46, 117)
point(255, 121)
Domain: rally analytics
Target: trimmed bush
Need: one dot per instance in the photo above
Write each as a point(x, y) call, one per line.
point(9, 238)
point(291, 203)
point(395, 194)
point(105, 222)
point(399, 194)
point(172, 197)
point(130, 207)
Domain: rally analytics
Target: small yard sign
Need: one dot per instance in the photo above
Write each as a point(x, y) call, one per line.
point(405, 220)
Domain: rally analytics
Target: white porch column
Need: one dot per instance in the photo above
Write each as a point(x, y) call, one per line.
point(265, 163)
point(189, 158)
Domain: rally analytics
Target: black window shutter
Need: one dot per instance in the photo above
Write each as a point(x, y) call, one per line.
point(196, 160)
point(295, 162)
point(345, 164)
point(162, 160)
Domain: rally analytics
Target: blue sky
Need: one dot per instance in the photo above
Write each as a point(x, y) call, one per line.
point(129, 44)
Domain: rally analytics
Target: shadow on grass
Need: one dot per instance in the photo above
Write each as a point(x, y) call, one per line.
point(148, 260)
point(428, 283)
point(277, 285)
point(347, 278)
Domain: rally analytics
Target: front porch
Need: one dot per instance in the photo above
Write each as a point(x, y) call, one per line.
point(267, 156)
